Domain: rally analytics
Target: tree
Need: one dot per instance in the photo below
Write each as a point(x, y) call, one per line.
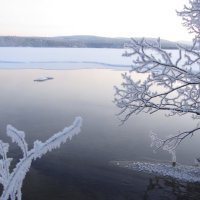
point(178, 78)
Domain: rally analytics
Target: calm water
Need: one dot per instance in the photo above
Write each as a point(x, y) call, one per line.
point(80, 169)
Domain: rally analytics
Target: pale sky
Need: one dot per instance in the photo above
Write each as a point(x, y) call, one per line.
point(110, 18)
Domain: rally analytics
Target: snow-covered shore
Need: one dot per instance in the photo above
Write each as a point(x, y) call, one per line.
point(184, 173)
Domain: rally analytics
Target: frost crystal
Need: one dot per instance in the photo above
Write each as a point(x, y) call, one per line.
point(12, 181)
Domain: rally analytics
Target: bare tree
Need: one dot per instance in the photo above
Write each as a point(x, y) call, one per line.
point(176, 76)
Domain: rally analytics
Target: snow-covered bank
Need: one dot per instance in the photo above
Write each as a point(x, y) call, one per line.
point(62, 58)
point(180, 172)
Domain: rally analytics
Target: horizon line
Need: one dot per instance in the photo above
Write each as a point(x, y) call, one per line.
point(85, 35)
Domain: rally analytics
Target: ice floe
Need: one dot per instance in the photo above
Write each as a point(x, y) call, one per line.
point(43, 78)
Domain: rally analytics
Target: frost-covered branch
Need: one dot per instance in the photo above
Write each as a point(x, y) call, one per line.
point(170, 84)
point(170, 144)
point(12, 181)
point(191, 16)
point(170, 81)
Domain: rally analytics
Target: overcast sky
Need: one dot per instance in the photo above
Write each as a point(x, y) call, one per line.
point(112, 18)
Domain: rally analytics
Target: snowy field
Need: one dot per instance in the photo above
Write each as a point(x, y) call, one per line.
point(62, 58)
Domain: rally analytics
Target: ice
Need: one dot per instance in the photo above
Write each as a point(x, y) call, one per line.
point(66, 58)
point(62, 58)
point(43, 78)
point(180, 172)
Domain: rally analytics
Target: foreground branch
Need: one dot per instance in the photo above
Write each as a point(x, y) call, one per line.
point(12, 181)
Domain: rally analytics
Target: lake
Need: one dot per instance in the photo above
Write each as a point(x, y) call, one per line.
point(81, 168)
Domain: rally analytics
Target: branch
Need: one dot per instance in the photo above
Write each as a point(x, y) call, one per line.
point(12, 182)
point(178, 87)
point(191, 16)
point(170, 144)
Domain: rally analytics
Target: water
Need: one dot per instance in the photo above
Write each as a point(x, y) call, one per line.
point(80, 169)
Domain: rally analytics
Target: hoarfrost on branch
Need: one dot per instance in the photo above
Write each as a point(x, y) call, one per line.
point(12, 181)
point(177, 80)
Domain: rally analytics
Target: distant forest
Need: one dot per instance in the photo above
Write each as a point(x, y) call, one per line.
point(73, 42)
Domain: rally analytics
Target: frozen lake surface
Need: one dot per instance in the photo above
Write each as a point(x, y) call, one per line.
point(61, 58)
point(81, 168)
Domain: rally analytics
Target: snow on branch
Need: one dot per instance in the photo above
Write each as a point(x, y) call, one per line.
point(177, 79)
point(170, 144)
point(191, 16)
point(12, 181)
point(170, 81)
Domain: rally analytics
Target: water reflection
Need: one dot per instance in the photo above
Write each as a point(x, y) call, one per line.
point(165, 188)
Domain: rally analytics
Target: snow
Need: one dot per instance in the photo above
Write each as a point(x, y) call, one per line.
point(180, 172)
point(62, 58)
point(66, 58)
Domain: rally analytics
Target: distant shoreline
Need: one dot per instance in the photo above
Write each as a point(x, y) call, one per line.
point(75, 42)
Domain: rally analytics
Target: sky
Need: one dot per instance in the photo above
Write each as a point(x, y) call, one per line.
point(109, 18)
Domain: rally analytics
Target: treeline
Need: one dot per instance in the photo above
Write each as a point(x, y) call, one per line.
point(73, 42)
